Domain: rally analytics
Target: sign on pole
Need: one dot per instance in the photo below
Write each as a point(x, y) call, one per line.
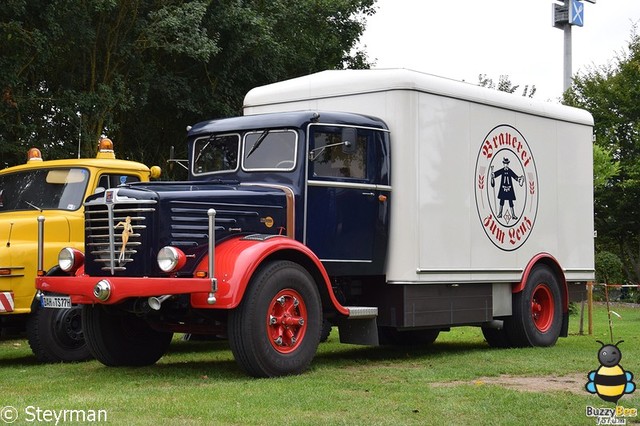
point(576, 13)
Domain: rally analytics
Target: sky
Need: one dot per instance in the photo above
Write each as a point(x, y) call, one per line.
point(464, 38)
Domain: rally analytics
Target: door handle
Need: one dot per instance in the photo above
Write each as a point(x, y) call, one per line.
point(368, 194)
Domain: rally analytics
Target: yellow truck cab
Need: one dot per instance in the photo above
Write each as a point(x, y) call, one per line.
point(53, 190)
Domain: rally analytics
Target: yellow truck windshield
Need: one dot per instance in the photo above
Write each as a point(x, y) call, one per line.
point(43, 189)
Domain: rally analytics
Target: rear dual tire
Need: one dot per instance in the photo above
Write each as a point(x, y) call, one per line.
point(536, 318)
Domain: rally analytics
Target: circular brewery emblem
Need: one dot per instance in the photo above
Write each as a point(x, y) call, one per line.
point(506, 187)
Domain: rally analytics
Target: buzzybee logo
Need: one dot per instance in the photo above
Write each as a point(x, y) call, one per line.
point(610, 381)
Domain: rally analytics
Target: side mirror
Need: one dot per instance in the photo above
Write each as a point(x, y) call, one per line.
point(349, 136)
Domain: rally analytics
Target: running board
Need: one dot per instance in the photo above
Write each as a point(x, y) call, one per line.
point(362, 312)
point(360, 327)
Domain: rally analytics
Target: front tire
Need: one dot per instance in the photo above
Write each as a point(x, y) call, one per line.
point(275, 331)
point(117, 338)
point(55, 335)
point(537, 311)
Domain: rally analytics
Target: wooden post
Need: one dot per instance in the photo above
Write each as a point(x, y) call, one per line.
point(590, 307)
point(581, 331)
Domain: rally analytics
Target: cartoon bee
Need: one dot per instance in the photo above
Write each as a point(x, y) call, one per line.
point(610, 381)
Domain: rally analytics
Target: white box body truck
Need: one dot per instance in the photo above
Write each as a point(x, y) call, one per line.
point(392, 204)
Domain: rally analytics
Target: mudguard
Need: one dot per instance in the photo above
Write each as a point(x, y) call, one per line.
point(550, 261)
point(237, 259)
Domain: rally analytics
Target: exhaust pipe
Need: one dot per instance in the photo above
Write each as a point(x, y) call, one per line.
point(155, 302)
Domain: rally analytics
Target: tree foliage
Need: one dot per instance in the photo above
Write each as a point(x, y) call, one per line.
point(140, 71)
point(505, 85)
point(611, 93)
point(608, 268)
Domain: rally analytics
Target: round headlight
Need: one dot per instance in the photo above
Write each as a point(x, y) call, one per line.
point(70, 259)
point(171, 259)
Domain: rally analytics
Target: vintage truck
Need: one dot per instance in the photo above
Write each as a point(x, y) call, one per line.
point(54, 190)
point(392, 203)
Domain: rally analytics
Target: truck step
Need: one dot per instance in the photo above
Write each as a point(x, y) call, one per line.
point(362, 312)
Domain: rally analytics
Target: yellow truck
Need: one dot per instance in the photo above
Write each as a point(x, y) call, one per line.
point(52, 191)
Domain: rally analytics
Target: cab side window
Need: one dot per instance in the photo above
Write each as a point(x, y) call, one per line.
point(338, 154)
point(108, 181)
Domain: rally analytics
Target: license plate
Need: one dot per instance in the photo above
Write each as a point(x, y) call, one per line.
point(56, 302)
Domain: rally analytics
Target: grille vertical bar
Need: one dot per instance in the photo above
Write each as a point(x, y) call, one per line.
point(107, 245)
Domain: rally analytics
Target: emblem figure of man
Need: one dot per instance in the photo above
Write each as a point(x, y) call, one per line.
point(126, 231)
point(506, 192)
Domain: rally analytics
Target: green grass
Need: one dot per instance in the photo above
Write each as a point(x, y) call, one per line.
point(199, 382)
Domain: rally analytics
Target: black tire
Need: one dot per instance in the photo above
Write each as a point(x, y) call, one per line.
point(278, 291)
point(55, 335)
point(537, 311)
point(395, 337)
point(117, 338)
point(496, 338)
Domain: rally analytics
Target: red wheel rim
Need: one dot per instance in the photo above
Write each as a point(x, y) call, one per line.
point(542, 308)
point(286, 321)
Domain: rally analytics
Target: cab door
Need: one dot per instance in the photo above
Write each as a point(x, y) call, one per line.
point(347, 198)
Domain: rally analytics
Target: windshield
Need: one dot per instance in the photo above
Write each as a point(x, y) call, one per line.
point(262, 150)
point(269, 150)
point(43, 189)
point(216, 153)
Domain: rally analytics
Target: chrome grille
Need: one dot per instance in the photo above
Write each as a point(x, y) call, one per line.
point(108, 224)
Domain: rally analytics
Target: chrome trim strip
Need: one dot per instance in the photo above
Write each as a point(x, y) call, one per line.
point(578, 270)
point(351, 185)
point(441, 282)
point(347, 260)
point(290, 209)
point(470, 271)
point(112, 240)
point(40, 267)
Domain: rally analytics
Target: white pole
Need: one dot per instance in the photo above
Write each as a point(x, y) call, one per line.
point(566, 81)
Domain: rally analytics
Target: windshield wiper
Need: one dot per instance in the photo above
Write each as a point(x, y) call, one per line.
point(209, 141)
point(257, 143)
point(33, 206)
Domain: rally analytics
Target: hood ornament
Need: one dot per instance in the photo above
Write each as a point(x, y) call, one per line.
point(126, 232)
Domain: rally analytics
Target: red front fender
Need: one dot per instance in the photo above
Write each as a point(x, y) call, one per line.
point(237, 259)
